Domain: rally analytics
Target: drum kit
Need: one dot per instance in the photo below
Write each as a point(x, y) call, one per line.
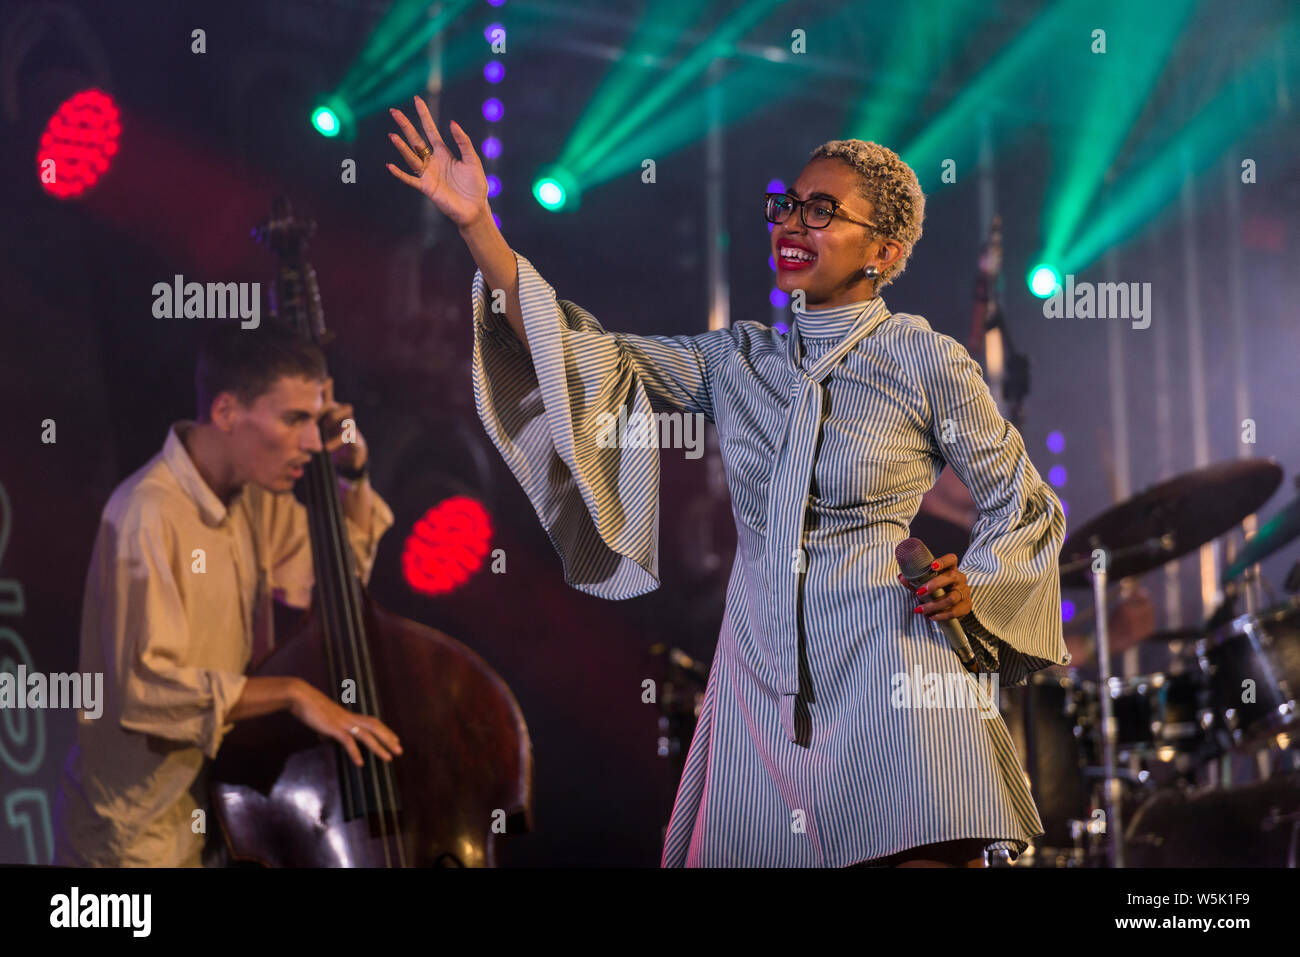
point(1137, 771)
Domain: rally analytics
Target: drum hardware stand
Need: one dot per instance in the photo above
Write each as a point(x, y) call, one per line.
point(1253, 585)
point(1086, 836)
point(1111, 784)
point(1277, 819)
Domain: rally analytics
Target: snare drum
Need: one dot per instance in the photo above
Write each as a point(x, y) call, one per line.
point(1252, 668)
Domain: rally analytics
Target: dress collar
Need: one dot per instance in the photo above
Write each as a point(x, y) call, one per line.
point(212, 511)
point(834, 324)
point(830, 323)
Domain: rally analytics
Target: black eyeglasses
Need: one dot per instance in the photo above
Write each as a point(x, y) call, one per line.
point(815, 212)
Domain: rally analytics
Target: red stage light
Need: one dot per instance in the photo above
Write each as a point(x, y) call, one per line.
point(447, 546)
point(80, 138)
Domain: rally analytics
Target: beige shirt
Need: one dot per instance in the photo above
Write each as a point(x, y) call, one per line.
point(168, 618)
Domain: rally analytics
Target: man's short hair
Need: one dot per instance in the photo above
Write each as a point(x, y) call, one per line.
point(248, 362)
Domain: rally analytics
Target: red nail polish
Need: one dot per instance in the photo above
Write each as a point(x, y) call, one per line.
point(916, 609)
point(921, 590)
point(934, 565)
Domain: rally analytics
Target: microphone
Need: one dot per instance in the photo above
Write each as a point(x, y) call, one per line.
point(914, 560)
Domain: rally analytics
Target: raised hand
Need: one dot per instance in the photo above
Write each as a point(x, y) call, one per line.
point(458, 187)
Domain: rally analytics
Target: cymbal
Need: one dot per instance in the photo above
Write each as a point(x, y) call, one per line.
point(1169, 519)
point(1280, 529)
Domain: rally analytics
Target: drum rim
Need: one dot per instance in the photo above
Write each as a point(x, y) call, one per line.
point(1240, 626)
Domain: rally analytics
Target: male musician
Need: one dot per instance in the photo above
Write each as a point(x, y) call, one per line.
point(189, 550)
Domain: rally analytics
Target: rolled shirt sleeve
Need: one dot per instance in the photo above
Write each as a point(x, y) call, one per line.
point(161, 694)
point(548, 407)
point(1012, 561)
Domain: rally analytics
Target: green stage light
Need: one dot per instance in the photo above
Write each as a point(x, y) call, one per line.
point(1043, 280)
point(556, 188)
point(549, 193)
point(332, 117)
point(326, 121)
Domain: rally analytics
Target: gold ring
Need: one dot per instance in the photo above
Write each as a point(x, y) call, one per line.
point(425, 153)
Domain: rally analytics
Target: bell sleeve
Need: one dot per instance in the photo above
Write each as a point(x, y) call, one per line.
point(1012, 561)
point(555, 409)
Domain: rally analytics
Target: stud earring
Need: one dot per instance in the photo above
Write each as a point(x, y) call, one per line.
point(871, 272)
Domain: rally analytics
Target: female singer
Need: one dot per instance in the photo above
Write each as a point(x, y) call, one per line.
point(830, 735)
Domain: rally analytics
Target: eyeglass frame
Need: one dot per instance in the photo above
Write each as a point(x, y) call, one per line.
point(801, 203)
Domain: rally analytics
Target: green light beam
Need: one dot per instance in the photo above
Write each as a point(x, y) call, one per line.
point(617, 87)
point(952, 134)
point(1115, 86)
point(1241, 105)
point(882, 112)
point(691, 68)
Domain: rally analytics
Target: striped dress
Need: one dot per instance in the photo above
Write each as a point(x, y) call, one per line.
point(859, 754)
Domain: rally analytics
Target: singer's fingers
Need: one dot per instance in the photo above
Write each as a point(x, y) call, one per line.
point(467, 152)
point(945, 561)
point(955, 604)
point(408, 131)
point(945, 579)
point(430, 128)
point(413, 161)
point(934, 605)
point(407, 178)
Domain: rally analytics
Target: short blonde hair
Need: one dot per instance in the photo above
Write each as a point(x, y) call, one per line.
point(898, 205)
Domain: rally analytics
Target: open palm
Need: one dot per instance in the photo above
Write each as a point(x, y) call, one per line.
point(458, 187)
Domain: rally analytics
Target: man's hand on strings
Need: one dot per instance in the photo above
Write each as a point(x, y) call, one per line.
point(326, 717)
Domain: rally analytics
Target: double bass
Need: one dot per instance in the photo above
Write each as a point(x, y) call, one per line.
point(285, 797)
